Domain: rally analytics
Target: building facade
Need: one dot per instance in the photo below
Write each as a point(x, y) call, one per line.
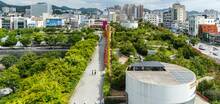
point(167, 18)
point(39, 9)
point(178, 13)
point(195, 21)
point(152, 18)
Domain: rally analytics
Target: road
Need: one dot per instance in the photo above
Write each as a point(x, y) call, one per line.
point(208, 50)
point(89, 89)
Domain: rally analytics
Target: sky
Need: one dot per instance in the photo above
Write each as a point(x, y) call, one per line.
point(198, 5)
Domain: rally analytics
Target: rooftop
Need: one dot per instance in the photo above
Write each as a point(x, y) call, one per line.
point(148, 64)
point(208, 28)
point(173, 74)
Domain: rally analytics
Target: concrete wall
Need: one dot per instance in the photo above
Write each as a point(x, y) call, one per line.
point(146, 93)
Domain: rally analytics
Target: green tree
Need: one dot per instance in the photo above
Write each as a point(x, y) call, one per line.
point(25, 62)
point(118, 76)
point(75, 37)
point(141, 47)
point(39, 65)
point(39, 37)
point(26, 39)
point(51, 40)
point(3, 33)
point(127, 49)
point(9, 60)
point(179, 42)
point(194, 41)
point(11, 41)
point(187, 52)
point(61, 39)
point(10, 78)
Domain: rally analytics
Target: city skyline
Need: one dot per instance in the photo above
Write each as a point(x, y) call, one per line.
point(149, 4)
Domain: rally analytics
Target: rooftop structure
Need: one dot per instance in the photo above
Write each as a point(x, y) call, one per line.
point(208, 29)
point(159, 83)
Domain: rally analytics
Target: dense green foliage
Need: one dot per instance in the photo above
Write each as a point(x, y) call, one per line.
point(211, 89)
point(8, 61)
point(49, 78)
point(48, 36)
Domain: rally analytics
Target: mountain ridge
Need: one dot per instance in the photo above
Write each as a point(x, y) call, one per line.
point(21, 8)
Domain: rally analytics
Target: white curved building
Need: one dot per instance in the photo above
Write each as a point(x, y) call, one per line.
point(160, 83)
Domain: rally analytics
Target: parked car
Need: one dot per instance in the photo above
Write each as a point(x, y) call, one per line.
point(215, 49)
point(216, 53)
point(201, 47)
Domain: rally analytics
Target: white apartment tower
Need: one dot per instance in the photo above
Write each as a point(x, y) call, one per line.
point(178, 13)
point(152, 18)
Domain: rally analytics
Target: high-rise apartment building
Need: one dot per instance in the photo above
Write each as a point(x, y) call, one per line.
point(178, 13)
point(133, 11)
point(39, 9)
point(140, 12)
point(167, 18)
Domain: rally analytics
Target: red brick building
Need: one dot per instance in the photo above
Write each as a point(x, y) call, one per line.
point(207, 29)
point(209, 33)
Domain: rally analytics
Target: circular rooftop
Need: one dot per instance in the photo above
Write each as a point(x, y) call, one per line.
point(159, 73)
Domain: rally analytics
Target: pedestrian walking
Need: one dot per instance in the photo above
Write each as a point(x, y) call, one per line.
point(95, 72)
point(92, 72)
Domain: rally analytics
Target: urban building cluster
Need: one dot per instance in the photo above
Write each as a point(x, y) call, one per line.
point(175, 18)
point(42, 15)
point(205, 25)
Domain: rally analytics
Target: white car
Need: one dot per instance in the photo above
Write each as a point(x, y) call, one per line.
point(201, 47)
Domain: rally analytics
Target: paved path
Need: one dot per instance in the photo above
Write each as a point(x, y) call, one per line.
point(207, 78)
point(89, 89)
point(199, 100)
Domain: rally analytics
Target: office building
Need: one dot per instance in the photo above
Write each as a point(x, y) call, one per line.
point(6, 10)
point(167, 18)
point(39, 9)
point(152, 18)
point(133, 12)
point(178, 13)
point(159, 13)
point(195, 21)
point(13, 22)
point(54, 22)
point(160, 83)
point(112, 17)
